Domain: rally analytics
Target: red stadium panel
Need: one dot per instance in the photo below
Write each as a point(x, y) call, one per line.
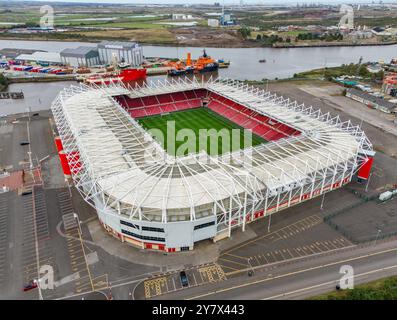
point(365, 169)
point(58, 143)
point(64, 163)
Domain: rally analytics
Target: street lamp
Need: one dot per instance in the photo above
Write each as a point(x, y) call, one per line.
point(270, 219)
point(37, 282)
point(377, 235)
point(78, 222)
point(322, 201)
point(369, 178)
point(250, 272)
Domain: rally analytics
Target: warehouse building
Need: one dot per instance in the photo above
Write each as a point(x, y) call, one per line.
point(129, 52)
point(82, 56)
point(40, 57)
point(371, 101)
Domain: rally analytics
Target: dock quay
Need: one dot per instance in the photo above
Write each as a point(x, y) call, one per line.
point(11, 95)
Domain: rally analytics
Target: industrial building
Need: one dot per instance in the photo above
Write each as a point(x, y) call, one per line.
point(181, 16)
point(153, 200)
point(371, 101)
point(390, 84)
point(82, 56)
point(129, 52)
point(227, 19)
point(213, 23)
point(53, 58)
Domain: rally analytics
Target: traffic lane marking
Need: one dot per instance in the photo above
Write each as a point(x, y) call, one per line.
point(328, 283)
point(294, 273)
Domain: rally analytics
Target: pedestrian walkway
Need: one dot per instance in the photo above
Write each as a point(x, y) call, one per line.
point(11, 180)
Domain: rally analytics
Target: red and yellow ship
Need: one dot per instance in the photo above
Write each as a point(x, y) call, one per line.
point(203, 64)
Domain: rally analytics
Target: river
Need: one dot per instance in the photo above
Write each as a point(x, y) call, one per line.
point(281, 63)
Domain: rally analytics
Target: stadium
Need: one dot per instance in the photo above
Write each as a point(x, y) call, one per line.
point(161, 200)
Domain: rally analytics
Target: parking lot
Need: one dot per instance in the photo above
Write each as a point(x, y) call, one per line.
point(307, 236)
point(171, 282)
point(3, 236)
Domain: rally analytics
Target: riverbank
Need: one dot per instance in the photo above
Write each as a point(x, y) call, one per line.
point(159, 41)
point(41, 79)
point(332, 44)
point(197, 43)
point(3, 82)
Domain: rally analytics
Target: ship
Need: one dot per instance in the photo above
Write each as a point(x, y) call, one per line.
point(203, 64)
point(125, 75)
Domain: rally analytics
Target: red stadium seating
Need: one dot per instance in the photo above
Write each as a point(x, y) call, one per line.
point(164, 98)
point(261, 125)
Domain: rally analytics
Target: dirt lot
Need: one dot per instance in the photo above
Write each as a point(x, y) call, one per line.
point(206, 37)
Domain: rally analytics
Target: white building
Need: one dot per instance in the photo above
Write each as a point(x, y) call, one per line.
point(39, 56)
point(213, 23)
point(130, 52)
point(181, 16)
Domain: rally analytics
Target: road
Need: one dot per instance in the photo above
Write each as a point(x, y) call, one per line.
point(301, 281)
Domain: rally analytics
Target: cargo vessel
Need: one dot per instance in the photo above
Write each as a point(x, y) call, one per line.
point(125, 75)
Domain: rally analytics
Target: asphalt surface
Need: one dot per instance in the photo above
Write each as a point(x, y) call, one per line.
point(302, 280)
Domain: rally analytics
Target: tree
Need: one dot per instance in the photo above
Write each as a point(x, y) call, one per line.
point(245, 32)
point(3, 81)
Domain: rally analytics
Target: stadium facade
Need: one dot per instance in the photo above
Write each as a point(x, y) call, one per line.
point(154, 200)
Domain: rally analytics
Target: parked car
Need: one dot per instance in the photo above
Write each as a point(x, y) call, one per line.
point(184, 280)
point(32, 285)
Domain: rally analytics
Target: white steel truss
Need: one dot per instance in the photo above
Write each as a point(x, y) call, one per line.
point(120, 164)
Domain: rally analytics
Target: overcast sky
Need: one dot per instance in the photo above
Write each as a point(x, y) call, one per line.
point(221, 1)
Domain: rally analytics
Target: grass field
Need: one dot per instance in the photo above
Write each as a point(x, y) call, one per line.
point(223, 140)
point(382, 289)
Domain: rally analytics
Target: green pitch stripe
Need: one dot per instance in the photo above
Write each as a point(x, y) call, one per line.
point(196, 119)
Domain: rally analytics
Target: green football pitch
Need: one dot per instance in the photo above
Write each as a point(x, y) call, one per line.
point(198, 129)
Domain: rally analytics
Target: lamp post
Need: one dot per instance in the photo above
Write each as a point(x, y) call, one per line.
point(250, 272)
point(37, 282)
point(322, 201)
point(369, 178)
point(377, 235)
point(78, 222)
point(270, 219)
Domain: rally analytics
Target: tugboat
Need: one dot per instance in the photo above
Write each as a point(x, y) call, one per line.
point(262, 61)
point(205, 63)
